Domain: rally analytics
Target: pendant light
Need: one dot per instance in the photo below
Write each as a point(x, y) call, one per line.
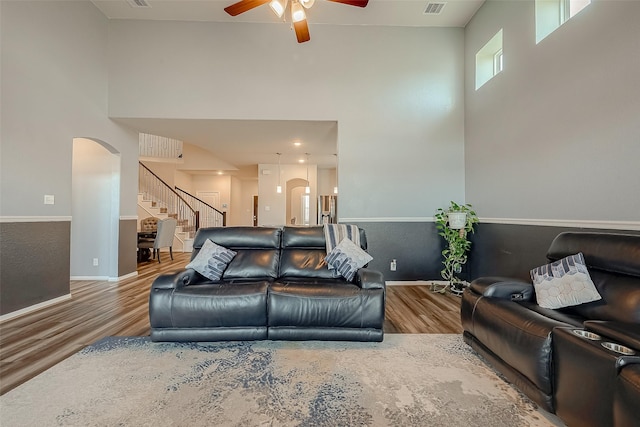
point(307, 189)
point(279, 187)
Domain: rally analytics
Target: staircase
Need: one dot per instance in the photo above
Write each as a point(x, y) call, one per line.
point(183, 239)
point(156, 198)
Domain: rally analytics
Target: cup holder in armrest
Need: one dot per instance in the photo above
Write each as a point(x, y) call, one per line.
point(618, 348)
point(586, 334)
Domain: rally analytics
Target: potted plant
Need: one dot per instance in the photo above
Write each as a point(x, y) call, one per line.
point(454, 224)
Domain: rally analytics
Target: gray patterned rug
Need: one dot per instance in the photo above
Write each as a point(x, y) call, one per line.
point(407, 380)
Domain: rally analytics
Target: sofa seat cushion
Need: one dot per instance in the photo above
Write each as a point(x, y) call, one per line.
point(220, 305)
point(308, 263)
point(330, 303)
point(561, 315)
point(521, 338)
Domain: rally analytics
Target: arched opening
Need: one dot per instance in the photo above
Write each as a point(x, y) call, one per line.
point(95, 210)
point(297, 202)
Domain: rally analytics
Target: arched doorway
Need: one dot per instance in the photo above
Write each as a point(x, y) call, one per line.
point(95, 210)
point(297, 202)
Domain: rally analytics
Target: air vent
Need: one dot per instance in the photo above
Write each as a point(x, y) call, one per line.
point(434, 8)
point(138, 3)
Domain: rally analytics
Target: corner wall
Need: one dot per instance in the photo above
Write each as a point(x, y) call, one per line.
point(555, 135)
point(552, 142)
point(54, 84)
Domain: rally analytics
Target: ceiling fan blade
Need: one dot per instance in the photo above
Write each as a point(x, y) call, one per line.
point(243, 6)
point(358, 3)
point(302, 31)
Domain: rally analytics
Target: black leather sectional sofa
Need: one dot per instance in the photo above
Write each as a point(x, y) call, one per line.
point(277, 287)
point(580, 362)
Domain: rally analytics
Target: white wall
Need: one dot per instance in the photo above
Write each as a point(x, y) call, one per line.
point(272, 206)
point(326, 181)
point(244, 200)
point(556, 135)
point(397, 94)
point(54, 83)
point(215, 183)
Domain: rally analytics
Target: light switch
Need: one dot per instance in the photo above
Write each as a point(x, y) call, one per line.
point(267, 208)
point(49, 199)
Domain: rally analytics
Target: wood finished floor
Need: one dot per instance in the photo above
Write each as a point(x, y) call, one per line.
point(36, 341)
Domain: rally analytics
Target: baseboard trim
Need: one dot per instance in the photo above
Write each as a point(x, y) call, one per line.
point(35, 218)
point(125, 277)
point(34, 307)
point(606, 225)
point(101, 278)
point(388, 219)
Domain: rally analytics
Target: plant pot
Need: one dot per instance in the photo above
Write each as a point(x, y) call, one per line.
point(457, 220)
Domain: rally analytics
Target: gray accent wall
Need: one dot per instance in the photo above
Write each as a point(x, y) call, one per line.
point(34, 263)
point(128, 243)
point(513, 250)
point(509, 250)
point(415, 246)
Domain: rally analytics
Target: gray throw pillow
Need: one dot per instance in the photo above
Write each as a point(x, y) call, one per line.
point(212, 260)
point(564, 283)
point(347, 258)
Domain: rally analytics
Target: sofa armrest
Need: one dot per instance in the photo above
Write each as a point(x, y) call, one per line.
point(369, 279)
point(176, 280)
point(624, 333)
point(503, 288)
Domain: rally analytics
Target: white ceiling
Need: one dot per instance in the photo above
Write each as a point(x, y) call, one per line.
point(245, 143)
point(456, 13)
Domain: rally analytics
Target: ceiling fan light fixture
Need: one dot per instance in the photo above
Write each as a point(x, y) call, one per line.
point(278, 7)
point(297, 12)
point(307, 3)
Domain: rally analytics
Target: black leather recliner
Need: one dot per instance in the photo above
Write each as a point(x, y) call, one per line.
point(277, 287)
point(560, 358)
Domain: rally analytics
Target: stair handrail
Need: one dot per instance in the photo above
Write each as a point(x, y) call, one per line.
point(204, 216)
point(186, 215)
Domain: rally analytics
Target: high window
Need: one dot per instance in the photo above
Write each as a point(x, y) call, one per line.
point(551, 14)
point(489, 60)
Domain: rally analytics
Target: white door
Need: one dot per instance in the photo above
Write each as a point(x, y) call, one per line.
point(212, 198)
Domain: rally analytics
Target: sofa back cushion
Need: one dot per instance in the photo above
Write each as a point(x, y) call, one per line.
point(257, 250)
point(303, 252)
point(613, 261)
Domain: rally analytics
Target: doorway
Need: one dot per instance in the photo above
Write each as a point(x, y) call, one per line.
point(255, 211)
point(95, 210)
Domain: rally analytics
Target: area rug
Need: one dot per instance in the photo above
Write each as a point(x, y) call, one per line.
point(407, 380)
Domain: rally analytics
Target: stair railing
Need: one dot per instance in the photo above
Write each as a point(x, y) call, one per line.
point(209, 216)
point(153, 188)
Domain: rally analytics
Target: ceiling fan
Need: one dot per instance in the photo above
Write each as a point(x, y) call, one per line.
point(298, 16)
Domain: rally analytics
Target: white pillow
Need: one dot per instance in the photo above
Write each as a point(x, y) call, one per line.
point(347, 258)
point(212, 260)
point(564, 283)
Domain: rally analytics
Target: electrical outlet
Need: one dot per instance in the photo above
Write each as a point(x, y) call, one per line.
point(95, 262)
point(393, 265)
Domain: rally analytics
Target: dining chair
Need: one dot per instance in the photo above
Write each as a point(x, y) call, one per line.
point(164, 237)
